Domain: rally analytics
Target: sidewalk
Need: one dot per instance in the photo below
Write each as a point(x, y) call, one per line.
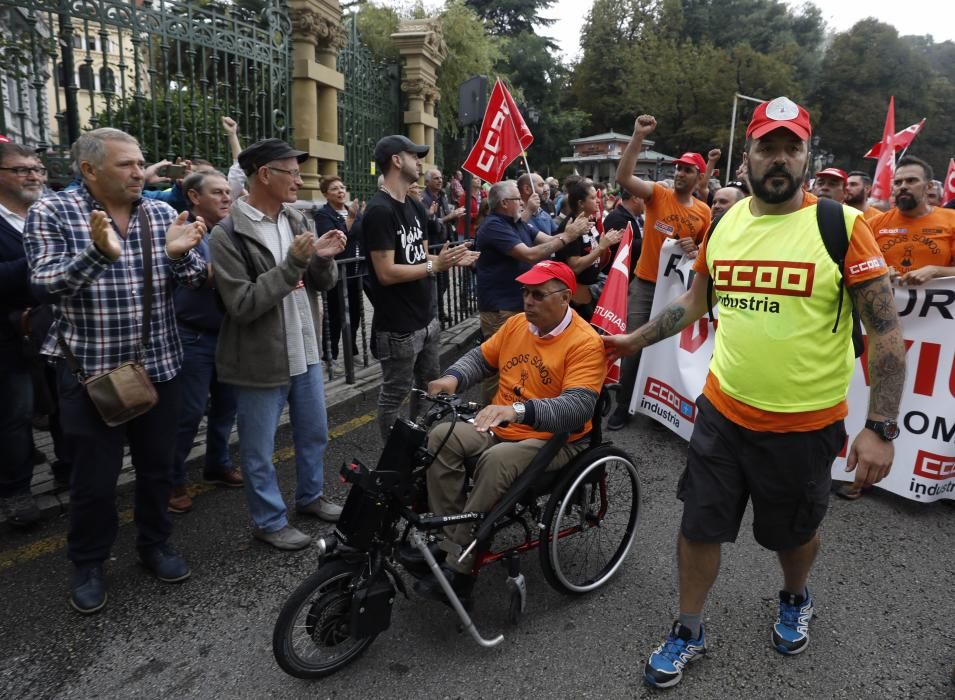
point(454, 342)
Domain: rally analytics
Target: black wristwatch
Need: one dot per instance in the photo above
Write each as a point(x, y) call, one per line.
point(887, 430)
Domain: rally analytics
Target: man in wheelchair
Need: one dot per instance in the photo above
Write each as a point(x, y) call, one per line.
point(551, 367)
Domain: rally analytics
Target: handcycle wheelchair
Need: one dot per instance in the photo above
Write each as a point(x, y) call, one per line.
point(581, 518)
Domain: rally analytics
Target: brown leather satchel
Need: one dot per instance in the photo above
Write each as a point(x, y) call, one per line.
point(126, 392)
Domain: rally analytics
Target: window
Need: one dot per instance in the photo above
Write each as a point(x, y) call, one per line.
point(86, 78)
point(107, 80)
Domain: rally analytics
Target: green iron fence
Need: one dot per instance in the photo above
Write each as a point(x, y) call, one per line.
point(165, 72)
point(368, 108)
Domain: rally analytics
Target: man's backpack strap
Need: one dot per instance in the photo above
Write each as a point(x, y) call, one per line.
point(832, 228)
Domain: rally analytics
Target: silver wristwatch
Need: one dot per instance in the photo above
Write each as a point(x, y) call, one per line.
point(519, 410)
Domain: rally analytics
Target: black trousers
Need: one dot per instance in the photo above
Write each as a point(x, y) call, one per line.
point(97, 460)
point(336, 315)
point(16, 431)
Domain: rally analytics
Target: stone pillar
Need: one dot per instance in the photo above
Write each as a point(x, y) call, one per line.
point(422, 50)
point(317, 36)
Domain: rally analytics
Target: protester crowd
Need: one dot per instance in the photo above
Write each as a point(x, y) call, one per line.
point(208, 286)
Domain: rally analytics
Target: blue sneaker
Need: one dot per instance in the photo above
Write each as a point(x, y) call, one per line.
point(791, 631)
point(665, 666)
point(165, 564)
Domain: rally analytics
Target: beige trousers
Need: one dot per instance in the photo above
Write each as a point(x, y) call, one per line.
point(499, 465)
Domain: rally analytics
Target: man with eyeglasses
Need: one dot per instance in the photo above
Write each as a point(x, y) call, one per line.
point(508, 247)
point(269, 271)
point(551, 369)
point(21, 184)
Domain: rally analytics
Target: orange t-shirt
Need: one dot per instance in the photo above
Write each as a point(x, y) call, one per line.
point(871, 213)
point(862, 249)
point(667, 218)
point(910, 243)
point(543, 368)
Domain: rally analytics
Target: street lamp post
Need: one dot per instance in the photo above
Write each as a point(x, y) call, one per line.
point(729, 151)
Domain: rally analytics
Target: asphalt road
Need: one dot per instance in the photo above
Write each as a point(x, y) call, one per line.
point(882, 585)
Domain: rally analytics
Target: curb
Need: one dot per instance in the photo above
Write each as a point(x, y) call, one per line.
point(454, 342)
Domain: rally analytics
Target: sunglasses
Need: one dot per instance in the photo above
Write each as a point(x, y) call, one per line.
point(538, 295)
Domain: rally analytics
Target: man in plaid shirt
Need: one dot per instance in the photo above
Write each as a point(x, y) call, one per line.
point(85, 247)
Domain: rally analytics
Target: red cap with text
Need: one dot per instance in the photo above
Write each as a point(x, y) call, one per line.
point(781, 113)
point(834, 172)
point(549, 270)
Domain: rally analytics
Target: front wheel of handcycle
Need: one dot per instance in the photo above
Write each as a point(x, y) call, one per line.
point(313, 633)
point(590, 520)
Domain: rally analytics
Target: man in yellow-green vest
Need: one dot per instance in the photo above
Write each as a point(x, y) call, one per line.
point(770, 419)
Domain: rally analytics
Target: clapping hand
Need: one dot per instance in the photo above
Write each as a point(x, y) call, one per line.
point(303, 245)
point(577, 227)
point(456, 256)
point(330, 244)
point(103, 235)
point(610, 238)
point(183, 236)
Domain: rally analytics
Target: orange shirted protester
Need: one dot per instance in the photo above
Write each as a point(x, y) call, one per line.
point(909, 243)
point(667, 218)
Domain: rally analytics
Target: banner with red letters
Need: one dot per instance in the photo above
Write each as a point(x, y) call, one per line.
point(672, 373)
point(504, 136)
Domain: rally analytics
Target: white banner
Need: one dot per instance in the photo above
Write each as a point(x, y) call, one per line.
point(673, 371)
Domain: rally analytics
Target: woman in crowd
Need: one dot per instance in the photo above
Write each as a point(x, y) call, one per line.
point(337, 214)
point(590, 253)
point(477, 197)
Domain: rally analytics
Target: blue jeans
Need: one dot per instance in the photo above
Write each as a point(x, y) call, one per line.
point(197, 383)
point(16, 432)
point(258, 416)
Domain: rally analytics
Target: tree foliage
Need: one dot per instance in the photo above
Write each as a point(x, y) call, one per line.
point(510, 17)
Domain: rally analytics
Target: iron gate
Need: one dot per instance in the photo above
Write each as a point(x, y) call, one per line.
point(368, 108)
point(163, 71)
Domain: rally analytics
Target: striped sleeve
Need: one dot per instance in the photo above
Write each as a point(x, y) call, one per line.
point(568, 412)
point(470, 369)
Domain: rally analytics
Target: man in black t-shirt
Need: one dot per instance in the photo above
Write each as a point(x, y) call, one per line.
point(400, 279)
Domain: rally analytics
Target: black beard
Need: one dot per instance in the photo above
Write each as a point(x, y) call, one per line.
point(859, 201)
point(906, 202)
point(771, 196)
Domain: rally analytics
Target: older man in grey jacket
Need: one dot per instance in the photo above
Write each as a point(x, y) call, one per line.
point(269, 269)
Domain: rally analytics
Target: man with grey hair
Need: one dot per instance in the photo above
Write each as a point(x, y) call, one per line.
point(532, 188)
point(21, 184)
point(509, 247)
point(444, 214)
point(86, 248)
point(269, 270)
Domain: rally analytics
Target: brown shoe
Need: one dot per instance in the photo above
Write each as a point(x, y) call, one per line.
point(231, 478)
point(179, 500)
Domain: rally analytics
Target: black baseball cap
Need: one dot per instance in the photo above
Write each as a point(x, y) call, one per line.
point(265, 151)
point(395, 144)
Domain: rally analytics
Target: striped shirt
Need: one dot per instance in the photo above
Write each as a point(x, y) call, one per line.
point(100, 302)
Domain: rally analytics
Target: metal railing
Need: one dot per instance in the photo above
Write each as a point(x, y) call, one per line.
point(454, 293)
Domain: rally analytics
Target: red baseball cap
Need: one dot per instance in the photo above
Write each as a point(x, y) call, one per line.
point(834, 172)
point(694, 159)
point(549, 270)
point(781, 113)
point(4, 139)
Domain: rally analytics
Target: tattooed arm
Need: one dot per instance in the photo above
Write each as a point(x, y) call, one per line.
point(684, 310)
point(870, 455)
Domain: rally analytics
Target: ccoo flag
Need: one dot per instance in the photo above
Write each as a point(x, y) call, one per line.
point(610, 314)
point(504, 136)
point(885, 168)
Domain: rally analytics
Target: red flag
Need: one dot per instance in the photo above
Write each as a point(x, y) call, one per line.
point(948, 187)
point(610, 315)
point(504, 136)
point(599, 217)
point(903, 139)
point(885, 168)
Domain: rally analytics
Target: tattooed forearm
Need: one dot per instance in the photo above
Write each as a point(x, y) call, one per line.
point(671, 320)
point(875, 302)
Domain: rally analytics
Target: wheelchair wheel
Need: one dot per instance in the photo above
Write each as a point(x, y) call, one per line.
point(590, 521)
point(312, 636)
